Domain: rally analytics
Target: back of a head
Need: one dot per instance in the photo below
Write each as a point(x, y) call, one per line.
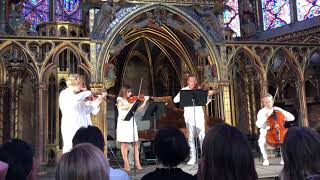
point(170, 146)
point(226, 155)
point(90, 134)
point(83, 162)
point(19, 157)
point(73, 80)
point(300, 152)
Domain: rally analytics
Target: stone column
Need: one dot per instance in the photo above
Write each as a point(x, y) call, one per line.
point(224, 87)
point(253, 114)
point(303, 103)
point(100, 120)
point(2, 16)
point(40, 120)
point(264, 86)
point(2, 119)
point(15, 78)
point(247, 90)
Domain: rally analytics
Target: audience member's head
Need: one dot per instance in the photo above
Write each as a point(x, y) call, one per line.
point(170, 146)
point(83, 162)
point(213, 121)
point(20, 158)
point(226, 155)
point(90, 134)
point(301, 154)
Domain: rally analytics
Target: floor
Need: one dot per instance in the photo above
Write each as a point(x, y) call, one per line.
point(264, 172)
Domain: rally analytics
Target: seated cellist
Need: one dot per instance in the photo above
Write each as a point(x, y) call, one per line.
point(262, 123)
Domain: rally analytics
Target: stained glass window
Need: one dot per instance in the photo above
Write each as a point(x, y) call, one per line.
point(276, 13)
point(231, 16)
point(308, 9)
point(35, 12)
point(68, 10)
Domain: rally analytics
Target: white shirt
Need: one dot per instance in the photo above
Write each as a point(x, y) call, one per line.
point(75, 110)
point(262, 118)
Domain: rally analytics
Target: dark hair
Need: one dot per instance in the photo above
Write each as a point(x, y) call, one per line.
point(226, 155)
point(90, 134)
point(301, 154)
point(213, 121)
point(123, 91)
point(170, 146)
point(19, 157)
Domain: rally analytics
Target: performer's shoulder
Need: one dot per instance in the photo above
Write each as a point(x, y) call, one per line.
point(64, 91)
point(262, 110)
point(185, 88)
point(120, 99)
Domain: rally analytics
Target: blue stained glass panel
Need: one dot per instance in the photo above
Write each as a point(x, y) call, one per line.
point(35, 2)
point(35, 12)
point(276, 13)
point(68, 10)
point(307, 9)
point(231, 16)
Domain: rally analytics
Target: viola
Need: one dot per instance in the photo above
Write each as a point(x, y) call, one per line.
point(275, 135)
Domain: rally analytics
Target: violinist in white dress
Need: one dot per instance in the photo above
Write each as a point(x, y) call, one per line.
point(126, 129)
point(76, 109)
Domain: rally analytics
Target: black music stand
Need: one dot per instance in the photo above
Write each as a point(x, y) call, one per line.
point(153, 112)
point(133, 110)
point(193, 98)
point(130, 115)
point(196, 97)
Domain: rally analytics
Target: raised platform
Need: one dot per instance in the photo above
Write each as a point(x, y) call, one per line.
point(264, 172)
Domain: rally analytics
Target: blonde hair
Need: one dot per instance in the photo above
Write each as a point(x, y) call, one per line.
point(83, 162)
point(74, 80)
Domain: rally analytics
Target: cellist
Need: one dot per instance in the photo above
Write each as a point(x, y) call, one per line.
point(263, 114)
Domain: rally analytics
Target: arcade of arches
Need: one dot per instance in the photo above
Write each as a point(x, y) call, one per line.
point(161, 43)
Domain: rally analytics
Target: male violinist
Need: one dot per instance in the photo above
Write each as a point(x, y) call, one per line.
point(263, 115)
point(196, 127)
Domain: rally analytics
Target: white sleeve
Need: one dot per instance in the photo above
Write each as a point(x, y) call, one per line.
point(287, 115)
point(209, 99)
point(176, 99)
point(92, 107)
point(261, 119)
point(62, 100)
point(82, 95)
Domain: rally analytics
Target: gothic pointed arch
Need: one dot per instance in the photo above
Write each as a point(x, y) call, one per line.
point(124, 22)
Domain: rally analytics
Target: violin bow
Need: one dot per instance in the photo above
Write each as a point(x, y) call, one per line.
point(204, 82)
point(275, 94)
point(140, 88)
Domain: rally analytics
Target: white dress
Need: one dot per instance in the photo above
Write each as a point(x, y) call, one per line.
point(75, 114)
point(125, 128)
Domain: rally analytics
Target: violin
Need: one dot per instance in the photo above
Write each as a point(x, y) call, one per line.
point(140, 96)
point(95, 96)
point(132, 99)
point(275, 135)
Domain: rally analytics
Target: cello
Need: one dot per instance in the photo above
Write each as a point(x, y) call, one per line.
point(275, 135)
